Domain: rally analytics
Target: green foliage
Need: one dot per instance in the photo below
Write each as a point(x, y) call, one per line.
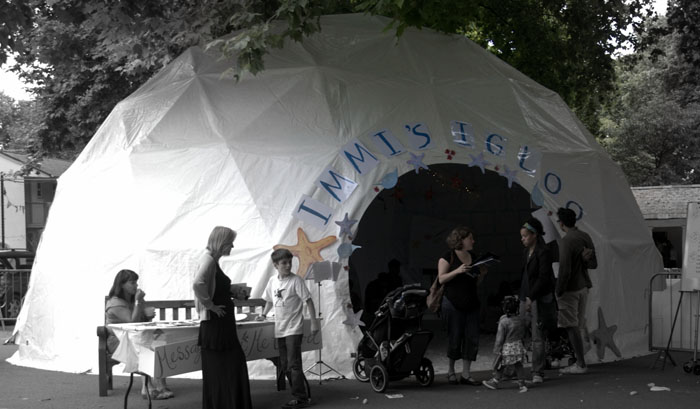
point(86, 55)
point(653, 128)
point(16, 16)
point(20, 122)
point(684, 22)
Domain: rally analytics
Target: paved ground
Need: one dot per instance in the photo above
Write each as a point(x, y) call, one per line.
point(621, 384)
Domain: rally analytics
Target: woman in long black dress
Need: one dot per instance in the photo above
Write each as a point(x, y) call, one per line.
point(460, 303)
point(224, 371)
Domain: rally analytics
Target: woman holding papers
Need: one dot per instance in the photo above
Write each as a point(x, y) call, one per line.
point(460, 303)
point(224, 371)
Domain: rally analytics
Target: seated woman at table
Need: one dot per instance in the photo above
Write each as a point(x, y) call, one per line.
point(125, 304)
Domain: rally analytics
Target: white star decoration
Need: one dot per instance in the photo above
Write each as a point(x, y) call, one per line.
point(509, 174)
point(345, 225)
point(353, 318)
point(603, 337)
point(479, 161)
point(417, 161)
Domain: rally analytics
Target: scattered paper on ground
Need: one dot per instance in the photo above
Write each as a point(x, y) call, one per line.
point(394, 396)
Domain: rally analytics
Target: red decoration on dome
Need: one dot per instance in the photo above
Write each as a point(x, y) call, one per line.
point(376, 189)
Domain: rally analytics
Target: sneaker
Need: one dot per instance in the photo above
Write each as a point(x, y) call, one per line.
point(537, 379)
point(297, 403)
point(491, 384)
point(574, 370)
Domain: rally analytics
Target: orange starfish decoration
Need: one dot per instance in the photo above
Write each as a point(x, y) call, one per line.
point(307, 252)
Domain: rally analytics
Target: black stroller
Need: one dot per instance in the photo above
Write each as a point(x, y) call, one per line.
point(392, 348)
point(557, 348)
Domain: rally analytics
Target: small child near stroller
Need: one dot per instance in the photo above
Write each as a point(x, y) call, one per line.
point(508, 347)
point(394, 345)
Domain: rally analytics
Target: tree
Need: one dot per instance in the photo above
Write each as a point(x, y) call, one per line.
point(86, 55)
point(15, 16)
point(653, 128)
point(684, 21)
point(19, 124)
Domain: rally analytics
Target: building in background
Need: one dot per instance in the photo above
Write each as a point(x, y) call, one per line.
point(665, 209)
point(27, 193)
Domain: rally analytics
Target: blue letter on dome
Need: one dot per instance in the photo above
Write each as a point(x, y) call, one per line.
point(338, 185)
point(352, 158)
point(490, 144)
point(557, 188)
point(313, 212)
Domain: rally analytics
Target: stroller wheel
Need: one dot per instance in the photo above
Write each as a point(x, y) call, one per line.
point(359, 369)
point(378, 378)
point(425, 373)
point(688, 367)
point(696, 369)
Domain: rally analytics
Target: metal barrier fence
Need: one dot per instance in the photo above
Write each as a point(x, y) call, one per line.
point(664, 308)
point(13, 287)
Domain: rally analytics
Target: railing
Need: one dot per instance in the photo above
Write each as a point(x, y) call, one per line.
point(666, 313)
point(13, 287)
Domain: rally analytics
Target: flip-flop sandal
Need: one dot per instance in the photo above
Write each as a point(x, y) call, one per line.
point(468, 381)
point(158, 395)
point(452, 379)
point(297, 403)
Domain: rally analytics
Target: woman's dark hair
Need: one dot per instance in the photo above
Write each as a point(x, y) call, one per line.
point(534, 224)
point(454, 239)
point(511, 305)
point(122, 277)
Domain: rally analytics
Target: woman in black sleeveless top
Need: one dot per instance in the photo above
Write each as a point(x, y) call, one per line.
point(225, 382)
point(460, 303)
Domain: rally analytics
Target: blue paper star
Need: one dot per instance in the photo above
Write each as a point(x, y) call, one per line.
point(345, 225)
point(509, 174)
point(353, 318)
point(417, 161)
point(603, 337)
point(479, 161)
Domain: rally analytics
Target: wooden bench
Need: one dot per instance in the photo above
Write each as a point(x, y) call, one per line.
point(169, 310)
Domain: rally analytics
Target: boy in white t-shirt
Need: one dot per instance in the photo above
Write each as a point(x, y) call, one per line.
point(287, 293)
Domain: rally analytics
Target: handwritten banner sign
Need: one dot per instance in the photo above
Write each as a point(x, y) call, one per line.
point(257, 340)
point(691, 252)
